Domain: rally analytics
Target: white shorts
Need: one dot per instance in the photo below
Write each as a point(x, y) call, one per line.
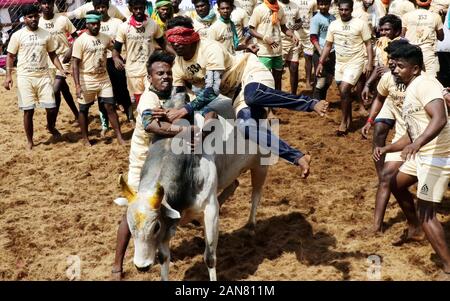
point(35, 91)
point(433, 175)
point(349, 72)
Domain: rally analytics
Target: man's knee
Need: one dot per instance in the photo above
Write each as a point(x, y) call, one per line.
point(84, 109)
point(380, 131)
point(425, 210)
point(249, 93)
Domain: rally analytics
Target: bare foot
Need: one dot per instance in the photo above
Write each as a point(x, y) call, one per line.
point(303, 163)
point(116, 275)
point(30, 145)
point(410, 235)
point(121, 141)
point(342, 130)
point(86, 142)
point(56, 135)
point(321, 107)
point(362, 111)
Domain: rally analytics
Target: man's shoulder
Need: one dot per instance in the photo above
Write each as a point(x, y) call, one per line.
point(148, 100)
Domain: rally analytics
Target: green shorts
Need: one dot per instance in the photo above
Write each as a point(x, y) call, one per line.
point(272, 62)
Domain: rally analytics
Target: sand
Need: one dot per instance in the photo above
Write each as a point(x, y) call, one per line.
point(56, 203)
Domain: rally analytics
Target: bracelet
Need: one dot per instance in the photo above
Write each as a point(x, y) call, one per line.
point(370, 120)
point(445, 92)
point(321, 62)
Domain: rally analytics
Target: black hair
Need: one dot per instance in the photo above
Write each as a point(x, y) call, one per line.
point(93, 12)
point(180, 21)
point(231, 2)
point(160, 56)
point(46, 1)
point(395, 21)
point(100, 2)
point(29, 9)
point(349, 2)
point(393, 45)
point(137, 2)
point(197, 1)
point(410, 53)
point(324, 1)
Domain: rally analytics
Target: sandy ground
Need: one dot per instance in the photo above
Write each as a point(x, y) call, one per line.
point(56, 202)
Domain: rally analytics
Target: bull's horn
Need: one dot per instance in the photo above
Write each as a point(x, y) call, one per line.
point(156, 199)
point(127, 191)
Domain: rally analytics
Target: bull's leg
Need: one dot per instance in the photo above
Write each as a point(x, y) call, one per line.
point(164, 260)
point(259, 174)
point(211, 219)
point(227, 192)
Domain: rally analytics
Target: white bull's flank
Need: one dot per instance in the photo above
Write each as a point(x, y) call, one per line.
point(178, 188)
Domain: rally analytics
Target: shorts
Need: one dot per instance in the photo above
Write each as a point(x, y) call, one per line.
point(349, 72)
point(272, 62)
point(138, 155)
point(136, 85)
point(305, 43)
point(92, 90)
point(433, 175)
point(291, 52)
point(35, 90)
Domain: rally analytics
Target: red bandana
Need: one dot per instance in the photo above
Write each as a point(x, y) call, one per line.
point(182, 35)
point(137, 24)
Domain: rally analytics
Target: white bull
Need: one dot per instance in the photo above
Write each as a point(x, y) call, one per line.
point(179, 188)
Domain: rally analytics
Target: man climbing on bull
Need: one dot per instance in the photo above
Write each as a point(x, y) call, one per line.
point(240, 82)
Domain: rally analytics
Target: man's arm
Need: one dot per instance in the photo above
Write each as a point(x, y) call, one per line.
point(399, 145)
point(55, 60)
point(9, 66)
point(68, 54)
point(289, 33)
point(325, 52)
point(440, 34)
point(369, 66)
point(268, 39)
point(374, 110)
point(436, 110)
point(76, 75)
point(118, 60)
point(315, 41)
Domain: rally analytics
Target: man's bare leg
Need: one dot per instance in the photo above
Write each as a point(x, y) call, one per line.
point(308, 71)
point(358, 90)
point(51, 122)
point(380, 133)
point(399, 187)
point(346, 106)
point(293, 76)
point(123, 238)
point(277, 75)
point(434, 231)
point(61, 86)
point(28, 125)
point(83, 121)
point(114, 119)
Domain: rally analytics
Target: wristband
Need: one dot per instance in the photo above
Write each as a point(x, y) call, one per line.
point(321, 62)
point(370, 120)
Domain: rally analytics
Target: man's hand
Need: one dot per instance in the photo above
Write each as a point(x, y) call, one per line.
point(159, 113)
point(321, 107)
point(381, 70)
point(303, 162)
point(378, 152)
point(319, 70)
point(365, 95)
point(118, 63)
point(271, 42)
point(253, 48)
point(368, 70)
point(410, 151)
point(78, 91)
point(295, 40)
point(173, 114)
point(365, 130)
point(8, 83)
point(447, 97)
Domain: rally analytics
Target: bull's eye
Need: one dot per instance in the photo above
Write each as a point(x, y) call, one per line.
point(156, 228)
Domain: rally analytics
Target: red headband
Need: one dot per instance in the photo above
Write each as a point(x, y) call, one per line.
point(182, 35)
point(422, 3)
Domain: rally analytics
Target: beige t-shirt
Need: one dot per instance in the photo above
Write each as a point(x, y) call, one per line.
point(240, 20)
point(110, 28)
point(210, 55)
point(422, 90)
point(400, 7)
point(292, 12)
point(91, 50)
point(261, 20)
point(307, 8)
point(348, 39)
point(32, 48)
point(81, 11)
point(223, 34)
point(421, 26)
point(247, 5)
point(58, 27)
point(392, 91)
point(201, 27)
point(139, 43)
point(437, 5)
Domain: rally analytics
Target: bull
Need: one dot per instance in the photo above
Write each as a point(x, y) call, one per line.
point(178, 188)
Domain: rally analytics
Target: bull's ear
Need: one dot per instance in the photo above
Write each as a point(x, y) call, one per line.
point(127, 191)
point(156, 199)
point(171, 213)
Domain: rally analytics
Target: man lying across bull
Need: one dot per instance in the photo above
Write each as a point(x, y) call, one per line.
point(225, 80)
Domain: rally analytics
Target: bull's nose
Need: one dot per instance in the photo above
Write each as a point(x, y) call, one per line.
point(143, 269)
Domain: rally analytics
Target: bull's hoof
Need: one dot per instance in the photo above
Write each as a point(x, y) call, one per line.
point(250, 229)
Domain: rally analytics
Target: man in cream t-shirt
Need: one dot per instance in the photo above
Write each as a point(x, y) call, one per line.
point(33, 45)
point(423, 28)
point(91, 78)
point(425, 151)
